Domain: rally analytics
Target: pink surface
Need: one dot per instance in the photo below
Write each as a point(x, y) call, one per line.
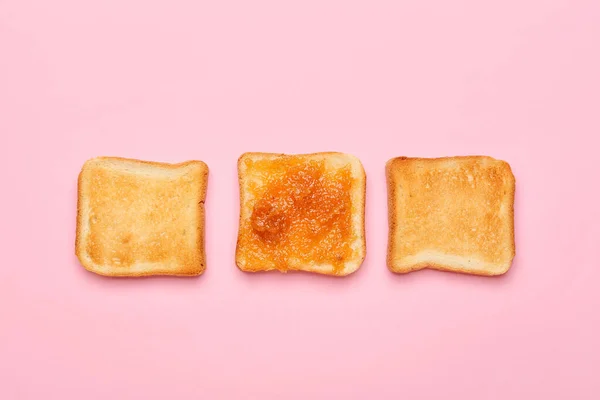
point(175, 80)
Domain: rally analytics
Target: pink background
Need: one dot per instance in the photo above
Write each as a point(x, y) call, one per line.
point(178, 80)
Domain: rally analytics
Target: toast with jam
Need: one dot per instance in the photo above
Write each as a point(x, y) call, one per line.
point(301, 213)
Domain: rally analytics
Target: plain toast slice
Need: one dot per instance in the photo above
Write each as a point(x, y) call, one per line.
point(301, 212)
point(453, 214)
point(138, 218)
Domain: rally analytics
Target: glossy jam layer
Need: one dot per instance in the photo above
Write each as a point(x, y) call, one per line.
point(303, 213)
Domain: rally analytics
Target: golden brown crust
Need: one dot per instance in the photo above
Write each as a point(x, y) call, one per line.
point(157, 189)
point(451, 214)
point(358, 195)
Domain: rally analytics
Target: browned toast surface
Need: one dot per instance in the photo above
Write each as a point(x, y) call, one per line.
point(139, 218)
point(452, 213)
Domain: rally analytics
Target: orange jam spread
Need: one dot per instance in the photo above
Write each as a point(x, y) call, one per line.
point(302, 211)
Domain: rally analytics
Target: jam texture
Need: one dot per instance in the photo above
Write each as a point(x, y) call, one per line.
point(301, 211)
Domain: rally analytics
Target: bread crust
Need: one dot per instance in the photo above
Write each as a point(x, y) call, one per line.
point(319, 269)
point(198, 264)
point(399, 175)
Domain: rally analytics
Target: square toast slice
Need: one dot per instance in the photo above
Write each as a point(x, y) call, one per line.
point(452, 214)
point(139, 218)
point(301, 212)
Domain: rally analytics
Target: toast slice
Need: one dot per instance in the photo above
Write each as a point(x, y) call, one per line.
point(301, 212)
point(453, 214)
point(139, 218)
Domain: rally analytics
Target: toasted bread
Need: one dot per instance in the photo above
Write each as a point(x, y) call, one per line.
point(453, 214)
point(138, 218)
point(301, 212)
